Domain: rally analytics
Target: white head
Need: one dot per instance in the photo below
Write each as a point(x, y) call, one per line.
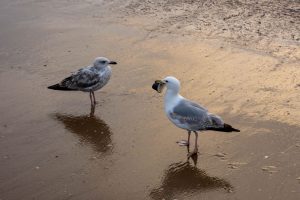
point(101, 62)
point(172, 83)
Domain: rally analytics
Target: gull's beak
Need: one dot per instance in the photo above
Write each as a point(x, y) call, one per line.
point(112, 63)
point(158, 85)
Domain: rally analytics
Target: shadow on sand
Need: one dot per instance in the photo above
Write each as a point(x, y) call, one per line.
point(183, 178)
point(91, 130)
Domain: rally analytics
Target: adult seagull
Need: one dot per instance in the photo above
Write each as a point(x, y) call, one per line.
point(187, 114)
point(88, 79)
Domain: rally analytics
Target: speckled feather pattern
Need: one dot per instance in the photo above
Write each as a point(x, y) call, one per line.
point(88, 79)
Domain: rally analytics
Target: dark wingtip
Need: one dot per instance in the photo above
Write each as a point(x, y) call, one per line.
point(235, 130)
point(58, 87)
point(226, 128)
point(229, 128)
point(54, 87)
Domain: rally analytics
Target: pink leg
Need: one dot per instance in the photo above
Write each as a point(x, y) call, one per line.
point(94, 97)
point(189, 135)
point(91, 98)
point(196, 142)
point(188, 143)
point(196, 146)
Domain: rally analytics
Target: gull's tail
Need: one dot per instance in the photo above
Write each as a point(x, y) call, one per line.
point(226, 128)
point(59, 87)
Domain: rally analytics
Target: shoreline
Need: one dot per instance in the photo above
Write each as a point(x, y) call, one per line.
point(50, 148)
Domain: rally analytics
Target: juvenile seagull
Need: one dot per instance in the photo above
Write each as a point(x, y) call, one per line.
point(88, 79)
point(186, 114)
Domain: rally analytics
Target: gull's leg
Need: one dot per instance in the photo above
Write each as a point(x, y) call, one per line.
point(189, 136)
point(91, 98)
point(196, 142)
point(188, 142)
point(94, 97)
point(196, 146)
point(194, 158)
point(92, 104)
point(92, 110)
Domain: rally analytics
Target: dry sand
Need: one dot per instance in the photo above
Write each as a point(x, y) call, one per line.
point(240, 59)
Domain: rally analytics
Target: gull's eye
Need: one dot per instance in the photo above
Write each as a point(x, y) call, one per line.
point(167, 81)
point(103, 62)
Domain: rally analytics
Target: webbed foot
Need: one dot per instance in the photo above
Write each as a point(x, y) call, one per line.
point(183, 143)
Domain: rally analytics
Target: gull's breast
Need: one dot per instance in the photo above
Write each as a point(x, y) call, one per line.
point(170, 103)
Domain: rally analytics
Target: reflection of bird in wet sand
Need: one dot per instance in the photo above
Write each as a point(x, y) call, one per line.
point(183, 178)
point(90, 130)
point(188, 115)
point(88, 79)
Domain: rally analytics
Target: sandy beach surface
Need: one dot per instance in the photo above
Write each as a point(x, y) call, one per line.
point(238, 58)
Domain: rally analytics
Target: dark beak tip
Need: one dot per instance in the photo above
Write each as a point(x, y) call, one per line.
point(113, 63)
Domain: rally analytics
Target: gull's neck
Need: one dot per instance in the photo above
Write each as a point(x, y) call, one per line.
point(172, 97)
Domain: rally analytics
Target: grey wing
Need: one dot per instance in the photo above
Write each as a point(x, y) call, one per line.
point(194, 104)
point(192, 117)
point(216, 121)
point(84, 78)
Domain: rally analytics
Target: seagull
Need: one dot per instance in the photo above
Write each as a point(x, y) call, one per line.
point(88, 79)
point(187, 114)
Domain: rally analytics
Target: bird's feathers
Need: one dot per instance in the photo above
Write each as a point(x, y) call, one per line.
point(225, 128)
point(189, 116)
point(192, 116)
point(84, 78)
point(59, 87)
point(194, 104)
point(216, 120)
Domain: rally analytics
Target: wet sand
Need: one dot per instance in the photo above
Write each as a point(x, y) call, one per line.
point(50, 147)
